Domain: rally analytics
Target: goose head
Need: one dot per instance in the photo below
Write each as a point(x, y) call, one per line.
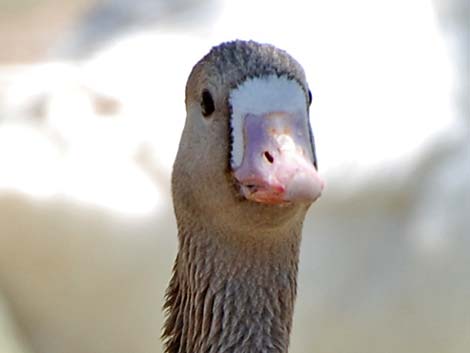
point(247, 155)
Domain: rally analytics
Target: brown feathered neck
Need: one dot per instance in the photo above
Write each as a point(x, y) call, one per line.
point(228, 295)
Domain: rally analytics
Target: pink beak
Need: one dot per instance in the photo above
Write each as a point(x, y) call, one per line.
point(277, 165)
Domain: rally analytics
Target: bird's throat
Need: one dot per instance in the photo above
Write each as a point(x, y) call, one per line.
point(227, 297)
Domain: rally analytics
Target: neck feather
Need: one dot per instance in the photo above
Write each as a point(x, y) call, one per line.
point(228, 296)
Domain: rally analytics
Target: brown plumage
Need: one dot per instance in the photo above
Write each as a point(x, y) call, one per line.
point(234, 279)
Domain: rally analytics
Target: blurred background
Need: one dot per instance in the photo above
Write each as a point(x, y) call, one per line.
point(91, 109)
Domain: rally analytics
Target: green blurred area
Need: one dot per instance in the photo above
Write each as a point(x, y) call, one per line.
point(15, 6)
point(28, 28)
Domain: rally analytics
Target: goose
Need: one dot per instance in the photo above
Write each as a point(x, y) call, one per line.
point(243, 178)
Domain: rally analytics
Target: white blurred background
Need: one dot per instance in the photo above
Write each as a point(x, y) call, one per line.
point(91, 108)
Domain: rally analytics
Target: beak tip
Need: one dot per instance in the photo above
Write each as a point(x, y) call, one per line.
point(300, 189)
point(304, 187)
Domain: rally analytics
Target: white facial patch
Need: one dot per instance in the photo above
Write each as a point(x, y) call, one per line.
point(258, 96)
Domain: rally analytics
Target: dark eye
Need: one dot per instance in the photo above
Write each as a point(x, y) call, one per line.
point(309, 97)
point(207, 103)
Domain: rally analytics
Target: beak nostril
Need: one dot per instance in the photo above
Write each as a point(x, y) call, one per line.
point(268, 157)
